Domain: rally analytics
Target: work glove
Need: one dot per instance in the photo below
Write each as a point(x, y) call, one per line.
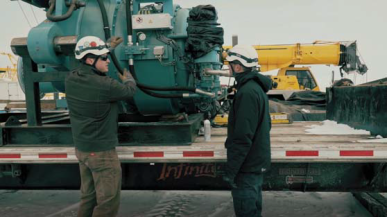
point(125, 76)
point(115, 41)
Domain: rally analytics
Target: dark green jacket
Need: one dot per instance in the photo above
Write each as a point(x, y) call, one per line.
point(249, 124)
point(93, 99)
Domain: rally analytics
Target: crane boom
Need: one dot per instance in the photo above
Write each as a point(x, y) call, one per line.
point(285, 57)
point(342, 54)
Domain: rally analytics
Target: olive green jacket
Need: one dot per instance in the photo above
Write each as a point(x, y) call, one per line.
point(93, 99)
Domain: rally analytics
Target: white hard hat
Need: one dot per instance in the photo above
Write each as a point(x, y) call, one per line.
point(90, 45)
point(246, 55)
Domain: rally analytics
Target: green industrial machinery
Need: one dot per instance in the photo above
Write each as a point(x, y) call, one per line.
point(170, 50)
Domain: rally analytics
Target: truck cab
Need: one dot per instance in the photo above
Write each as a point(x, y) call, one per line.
point(295, 78)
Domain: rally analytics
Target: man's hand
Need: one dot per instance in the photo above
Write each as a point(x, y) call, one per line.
point(115, 41)
point(229, 181)
point(125, 76)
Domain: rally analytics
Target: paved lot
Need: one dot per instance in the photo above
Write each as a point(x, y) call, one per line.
point(64, 203)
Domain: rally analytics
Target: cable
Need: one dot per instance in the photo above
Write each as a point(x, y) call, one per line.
point(33, 12)
point(143, 87)
point(160, 58)
point(174, 46)
point(159, 95)
point(25, 16)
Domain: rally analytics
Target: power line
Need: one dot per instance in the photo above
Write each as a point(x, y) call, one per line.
point(25, 16)
point(33, 12)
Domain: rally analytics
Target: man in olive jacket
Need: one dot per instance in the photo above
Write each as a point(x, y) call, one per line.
point(248, 132)
point(92, 99)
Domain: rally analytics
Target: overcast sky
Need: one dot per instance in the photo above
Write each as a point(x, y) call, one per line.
point(267, 22)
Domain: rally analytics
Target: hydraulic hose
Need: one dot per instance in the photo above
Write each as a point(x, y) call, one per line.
point(129, 29)
point(105, 21)
point(159, 95)
point(131, 67)
point(61, 17)
point(176, 88)
point(143, 87)
point(129, 18)
point(106, 30)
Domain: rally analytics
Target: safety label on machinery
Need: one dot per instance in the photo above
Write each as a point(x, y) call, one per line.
point(152, 21)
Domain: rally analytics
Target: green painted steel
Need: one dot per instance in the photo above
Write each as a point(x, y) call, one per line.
point(174, 68)
point(362, 107)
point(134, 133)
point(41, 44)
point(45, 87)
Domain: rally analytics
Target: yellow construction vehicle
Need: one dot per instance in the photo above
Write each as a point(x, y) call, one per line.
point(291, 78)
point(285, 57)
point(9, 72)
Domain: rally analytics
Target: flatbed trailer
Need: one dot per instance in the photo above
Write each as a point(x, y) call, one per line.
point(290, 143)
point(300, 161)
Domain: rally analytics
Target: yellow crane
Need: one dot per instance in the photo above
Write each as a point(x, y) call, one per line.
point(9, 72)
point(291, 78)
point(285, 57)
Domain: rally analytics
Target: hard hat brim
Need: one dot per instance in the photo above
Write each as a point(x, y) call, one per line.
point(95, 52)
point(242, 61)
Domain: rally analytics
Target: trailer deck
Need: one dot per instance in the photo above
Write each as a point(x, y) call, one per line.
point(290, 143)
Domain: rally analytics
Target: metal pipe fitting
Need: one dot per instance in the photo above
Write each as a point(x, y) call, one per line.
point(217, 72)
point(199, 91)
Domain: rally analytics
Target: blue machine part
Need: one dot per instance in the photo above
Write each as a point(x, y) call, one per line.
point(45, 87)
point(40, 43)
point(157, 50)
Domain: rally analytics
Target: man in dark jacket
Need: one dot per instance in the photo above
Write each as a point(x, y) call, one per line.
point(92, 99)
point(248, 132)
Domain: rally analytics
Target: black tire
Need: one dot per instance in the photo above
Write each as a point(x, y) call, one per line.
point(344, 82)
